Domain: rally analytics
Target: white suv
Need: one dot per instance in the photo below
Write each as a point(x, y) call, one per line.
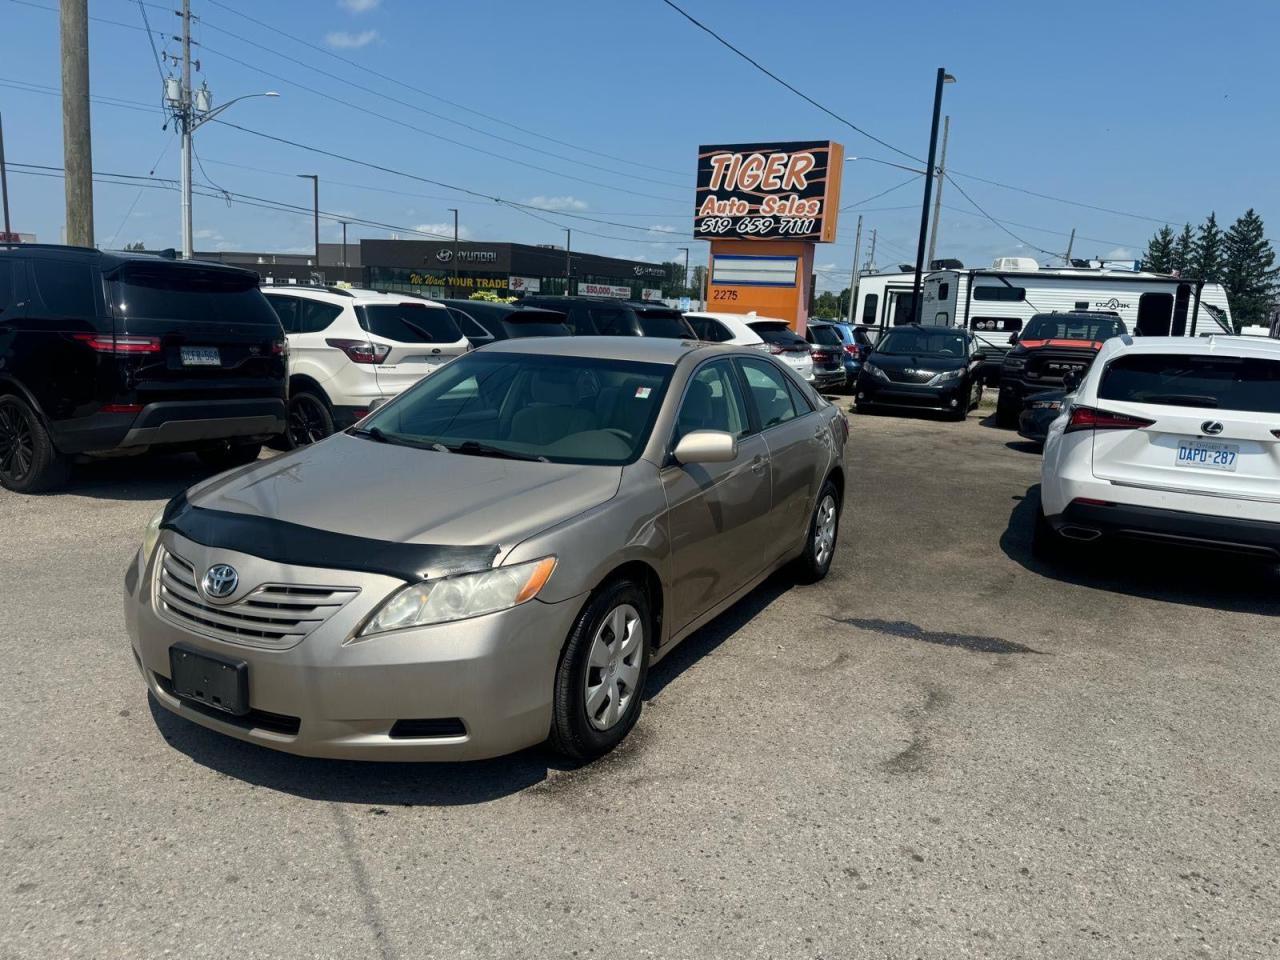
point(351, 349)
point(1168, 440)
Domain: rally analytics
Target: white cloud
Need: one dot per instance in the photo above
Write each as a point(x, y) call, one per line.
point(359, 6)
point(1120, 253)
point(663, 228)
point(443, 229)
point(557, 203)
point(345, 40)
point(206, 235)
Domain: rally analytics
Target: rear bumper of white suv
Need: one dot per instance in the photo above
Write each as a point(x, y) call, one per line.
point(1093, 520)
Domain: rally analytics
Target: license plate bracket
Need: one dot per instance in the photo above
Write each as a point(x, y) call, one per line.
point(200, 357)
point(216, 682)
point(1208, 454)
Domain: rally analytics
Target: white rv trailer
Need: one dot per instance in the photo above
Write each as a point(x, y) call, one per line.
point(995, 302)
point(884, 300)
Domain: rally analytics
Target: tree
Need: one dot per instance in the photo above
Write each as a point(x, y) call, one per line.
point(1206, 259)
point(827, 305)
point(1249, 271)
point(138, 245)
point(1159, 255)
point(1183, 249)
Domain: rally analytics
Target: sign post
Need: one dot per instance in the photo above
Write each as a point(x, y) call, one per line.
point(764, 207)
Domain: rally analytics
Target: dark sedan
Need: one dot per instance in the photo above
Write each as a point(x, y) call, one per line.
point(1038, 411)
point(922, 368)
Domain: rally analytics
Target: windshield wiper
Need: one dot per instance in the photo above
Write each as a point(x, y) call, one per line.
point(376, 434)
point(475, 448)
point(373, 433)
point(1182, 399)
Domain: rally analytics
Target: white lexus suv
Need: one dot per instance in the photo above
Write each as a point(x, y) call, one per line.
point(351, 349)
point(1168, 440)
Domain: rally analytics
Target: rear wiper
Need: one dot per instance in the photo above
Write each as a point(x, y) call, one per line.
point(1181, 399)
point(477, 449)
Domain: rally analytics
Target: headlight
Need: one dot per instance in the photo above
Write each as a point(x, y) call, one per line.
point(151, 535)
point(1014, 363)
point(461, 597)
point(946, 376)
point(875, 371)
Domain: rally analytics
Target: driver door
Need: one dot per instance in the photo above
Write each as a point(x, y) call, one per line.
point(718, 513)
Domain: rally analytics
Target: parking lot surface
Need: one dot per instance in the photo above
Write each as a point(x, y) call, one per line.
point(944, 750)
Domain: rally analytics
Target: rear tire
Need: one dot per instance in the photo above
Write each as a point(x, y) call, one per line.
point(229, 455)
point(1006, 412)
point(824, 531)
point(599, 685)
point(29, 462)
point(310, 420)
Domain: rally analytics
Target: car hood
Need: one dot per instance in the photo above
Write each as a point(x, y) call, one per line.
point(917, 361)
point(378, 491)
point(1084, 345)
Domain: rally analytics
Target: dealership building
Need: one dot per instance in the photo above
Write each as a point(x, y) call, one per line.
point(439, 268)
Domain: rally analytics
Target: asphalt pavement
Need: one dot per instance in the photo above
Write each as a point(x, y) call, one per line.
point(944, 750)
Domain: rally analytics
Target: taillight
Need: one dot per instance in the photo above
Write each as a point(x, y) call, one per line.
point(120, 408)
point(853, 350)
point(106, 343)
point(361, 351)
point(280, 348)
point(1090, 418)
point(776, 349)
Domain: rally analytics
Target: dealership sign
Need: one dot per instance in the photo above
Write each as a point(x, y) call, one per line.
point(445, 255)
point(769, 191)
point(524, 284)
point(603, 290)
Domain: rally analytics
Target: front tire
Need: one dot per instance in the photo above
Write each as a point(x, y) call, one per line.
point(599, 682)
point(29, 462)
point(824, 529)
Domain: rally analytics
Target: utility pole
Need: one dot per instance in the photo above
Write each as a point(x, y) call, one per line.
point(853, 280)
point(568, 269)
point(871, 257)
point(77, 149)
point(937, 200)
point(454, 261)
point(4, 184)
point(943, 77)
point(686, 265)
point(1071, 243)
point(184, 130)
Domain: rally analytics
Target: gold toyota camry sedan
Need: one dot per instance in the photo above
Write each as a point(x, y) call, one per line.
point(491, 560)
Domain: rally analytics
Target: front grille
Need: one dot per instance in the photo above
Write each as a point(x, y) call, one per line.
point(427, 728)
point(253, 720)
point(910, 376)
point(274, 615)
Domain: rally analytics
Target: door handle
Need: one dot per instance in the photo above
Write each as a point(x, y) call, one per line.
point(759, 463)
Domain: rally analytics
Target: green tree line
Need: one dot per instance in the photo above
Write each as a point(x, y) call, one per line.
point(1240, 258)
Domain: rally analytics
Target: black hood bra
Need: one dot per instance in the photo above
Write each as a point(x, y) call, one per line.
point(292, 543)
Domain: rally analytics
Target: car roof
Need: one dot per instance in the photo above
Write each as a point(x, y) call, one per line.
point(345, 295)
point(109, 260)
point(1261, 347)
point(663, 350)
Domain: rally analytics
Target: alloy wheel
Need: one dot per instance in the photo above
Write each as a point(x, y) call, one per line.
point(17, 443)
point(613, 667)
point(824, 533)
point(306, 421)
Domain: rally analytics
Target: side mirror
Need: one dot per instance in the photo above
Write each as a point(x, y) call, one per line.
point(1070, 380)
point(1013, 339)
point(706, 446)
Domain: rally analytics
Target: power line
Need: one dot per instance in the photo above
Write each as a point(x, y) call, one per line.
point(1045, 196)
point(1030, 226)
point(769, 73)
point(976, 206)
point(426, 93)
point(877, 196)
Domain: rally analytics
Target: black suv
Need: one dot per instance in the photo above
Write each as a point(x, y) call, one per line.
point(110, 353)
point(603, 316)
point(484, 321)
point(1048, 347)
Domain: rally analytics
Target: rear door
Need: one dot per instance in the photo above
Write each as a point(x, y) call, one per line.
point(417, 337)
point(1213, 422)
point(200, 332)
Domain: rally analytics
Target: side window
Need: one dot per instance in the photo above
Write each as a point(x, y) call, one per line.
point(286, 309)
point(66, 288)
point(1002, 293)
point(701, 327)
point(7, 288)
point(712, 401)
point(870, 306)
point(610, 322)
point(944, 291)
point(470, 328)
point(767, 387)
point(798, 399)
point(316, 316)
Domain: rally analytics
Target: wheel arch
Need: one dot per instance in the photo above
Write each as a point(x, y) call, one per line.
point(647, 577)
point(302, 383)
point(16, 387)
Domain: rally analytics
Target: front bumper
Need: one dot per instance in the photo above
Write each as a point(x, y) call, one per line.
point(482, 687)
point(1256, 538)
point(948, 397)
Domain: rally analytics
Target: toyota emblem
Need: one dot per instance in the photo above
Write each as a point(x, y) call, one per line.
point(1211, 427)
point(220, 581)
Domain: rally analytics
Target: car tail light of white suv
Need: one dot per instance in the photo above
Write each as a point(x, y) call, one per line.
point(1091, 418)
point(361, 351)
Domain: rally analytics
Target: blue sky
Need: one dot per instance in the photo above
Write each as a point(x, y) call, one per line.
point(1162, 110)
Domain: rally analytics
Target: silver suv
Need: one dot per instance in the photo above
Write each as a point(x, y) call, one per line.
point(492, 559)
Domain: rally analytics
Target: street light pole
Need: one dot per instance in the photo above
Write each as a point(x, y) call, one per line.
point(315, 209)
point(568, 268)
point(937, 199)
point(344, 245)
point(685, 285)
point(455, 248)
point(916, 305)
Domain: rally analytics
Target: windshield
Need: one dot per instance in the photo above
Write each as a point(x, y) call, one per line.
point(827, 336)
point(1227, 383)
point(659, 323)
point(934, 343)
point(527, 406)
point(155, 292)
point(410, 323)
point(1064, 326)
